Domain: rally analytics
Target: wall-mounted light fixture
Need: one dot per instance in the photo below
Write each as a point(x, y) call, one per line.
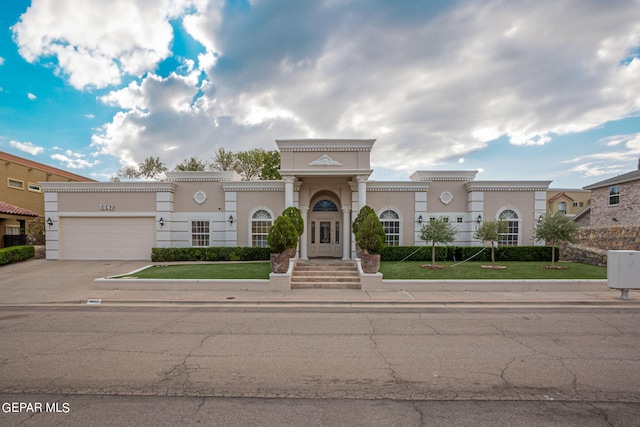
point(231, 219)
point(540, 218)
point(161, 221)
point(420, 219)
point(479, 220)
point(50, 222)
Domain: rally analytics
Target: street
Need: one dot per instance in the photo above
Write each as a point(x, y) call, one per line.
point(319, 366)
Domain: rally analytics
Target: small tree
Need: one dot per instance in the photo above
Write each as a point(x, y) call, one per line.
point(282, 235)
point(491, 231)
point(554, 228)
point(294, 215)
point(191, 164)
point(364, 211)
point(370, 235)
point(437, 230)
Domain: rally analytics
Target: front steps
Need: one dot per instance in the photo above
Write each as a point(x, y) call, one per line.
point(325, 274)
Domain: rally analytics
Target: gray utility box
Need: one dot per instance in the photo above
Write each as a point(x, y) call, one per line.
point(623, 271)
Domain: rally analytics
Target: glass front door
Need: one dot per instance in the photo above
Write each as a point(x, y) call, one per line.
point(324, 236)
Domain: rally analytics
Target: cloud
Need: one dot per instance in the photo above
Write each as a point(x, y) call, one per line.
point(95, 43)
point(1, 61)
point(626, 151)
point(74, 160)
point(31, 96)
point(430, 80)
point(27, 147)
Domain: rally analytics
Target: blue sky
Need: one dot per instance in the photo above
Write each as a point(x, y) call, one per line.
point(546, 90)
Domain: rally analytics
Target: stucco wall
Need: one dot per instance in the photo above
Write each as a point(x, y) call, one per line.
point(120, 202)
point(184, 197)
point(626, 212)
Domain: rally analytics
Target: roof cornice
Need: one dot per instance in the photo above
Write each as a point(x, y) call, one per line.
point(325, 144)
point(203, 176)
point(107, 187)
point(395, 186)
point(508, 185)
point(254, 186)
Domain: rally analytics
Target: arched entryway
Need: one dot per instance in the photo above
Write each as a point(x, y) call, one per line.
point(324, 227)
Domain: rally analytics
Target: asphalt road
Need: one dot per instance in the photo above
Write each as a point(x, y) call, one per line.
point(110, 365)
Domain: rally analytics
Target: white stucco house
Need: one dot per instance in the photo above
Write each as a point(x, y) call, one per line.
point(327, 179)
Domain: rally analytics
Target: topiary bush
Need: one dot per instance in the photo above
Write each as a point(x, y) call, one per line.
point(16, 253)
point(370, 235)
point(282, 235)
point(294, 215)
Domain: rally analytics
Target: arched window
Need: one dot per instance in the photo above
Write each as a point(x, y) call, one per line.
point(391, 224)
point(325, 206)
point(510, 238)
point(260, 224)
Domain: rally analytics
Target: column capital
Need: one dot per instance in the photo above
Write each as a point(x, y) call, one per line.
point(289, 179)
point(304, 209)
point(346, 209)
point(362, 178)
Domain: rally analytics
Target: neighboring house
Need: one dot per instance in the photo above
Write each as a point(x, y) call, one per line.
point(327, 179)
point(568, 201)
point(616, 200)
point(19, 187)
point(14, 214)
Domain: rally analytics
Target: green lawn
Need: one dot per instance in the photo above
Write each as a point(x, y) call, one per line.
point(235, 270)
point(474, 271)
point(409, 270)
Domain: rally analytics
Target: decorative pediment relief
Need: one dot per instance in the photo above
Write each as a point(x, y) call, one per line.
point(325, 160)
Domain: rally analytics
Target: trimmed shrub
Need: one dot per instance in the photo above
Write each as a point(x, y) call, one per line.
point(282, 235)
point(16, 253)
point(461, 253)
point(212, 253)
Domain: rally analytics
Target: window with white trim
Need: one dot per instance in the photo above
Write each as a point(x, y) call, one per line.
point(261, 222)
point(614, 195)
point(562, 207)
point(391, 223)
point(510, 238)
point(199, 233)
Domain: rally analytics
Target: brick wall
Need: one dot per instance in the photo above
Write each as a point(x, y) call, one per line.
point(626, 212)
point(593, 243)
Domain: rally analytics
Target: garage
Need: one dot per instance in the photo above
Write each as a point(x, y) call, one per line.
point(121, 238)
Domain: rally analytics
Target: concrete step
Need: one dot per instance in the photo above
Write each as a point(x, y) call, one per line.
point(313, 279)
point(325, 274)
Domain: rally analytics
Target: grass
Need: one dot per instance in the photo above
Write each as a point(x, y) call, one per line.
point(236, 270)
point(411, 270)
point(408, 270)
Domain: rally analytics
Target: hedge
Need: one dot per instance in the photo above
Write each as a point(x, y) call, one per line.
point(213, 253)
point(461, 253)
point(16, 253)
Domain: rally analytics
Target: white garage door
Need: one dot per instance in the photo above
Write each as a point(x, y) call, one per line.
point(107, 238)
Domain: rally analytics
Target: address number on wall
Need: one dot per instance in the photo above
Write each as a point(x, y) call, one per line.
point(107, 207)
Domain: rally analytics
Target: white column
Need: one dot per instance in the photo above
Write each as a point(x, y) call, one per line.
point(362, 191)
point(288, 191)
point(304, 210)
point(346, 233)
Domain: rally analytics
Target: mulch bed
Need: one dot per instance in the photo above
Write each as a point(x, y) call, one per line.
point(433, 267)
point(494, 267)
point(555, 267)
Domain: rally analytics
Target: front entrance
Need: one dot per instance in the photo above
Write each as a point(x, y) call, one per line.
point(324, 230)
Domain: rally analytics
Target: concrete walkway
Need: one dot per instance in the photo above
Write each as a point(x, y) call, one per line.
point(73, 282)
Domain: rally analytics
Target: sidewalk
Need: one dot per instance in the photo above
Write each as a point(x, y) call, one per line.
point(73, 282)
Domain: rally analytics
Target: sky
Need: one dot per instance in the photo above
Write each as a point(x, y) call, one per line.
point(517, 89)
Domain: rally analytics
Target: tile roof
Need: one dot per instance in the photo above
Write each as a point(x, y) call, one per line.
point(6, 208)
point(557, 196)
point(629, 176)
